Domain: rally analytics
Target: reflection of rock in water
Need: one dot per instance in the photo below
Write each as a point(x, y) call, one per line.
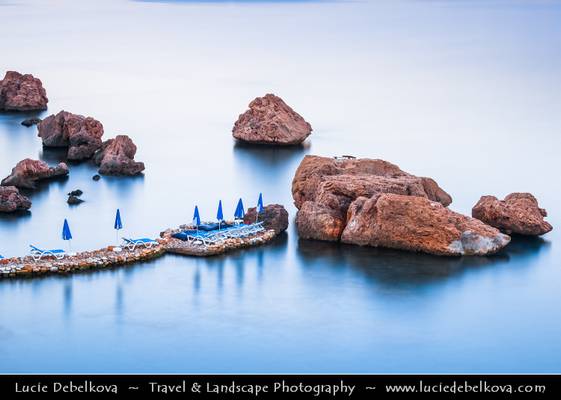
point(53, 155)
point(278, 162)
point(388, 266)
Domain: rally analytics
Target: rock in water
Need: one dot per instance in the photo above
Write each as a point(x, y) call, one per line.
point(270, 120)
point(96, 177)
point(274, 216)
point(30, 122)
point(74, 200)
point(418, 224)
point(324, 188)
point(518, 213)
point(22, 93)
point(76, 193)
point(82, 135)
point(27, 172)
point(11, 200)
point(116, 157)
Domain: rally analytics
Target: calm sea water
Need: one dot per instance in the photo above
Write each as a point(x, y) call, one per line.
point(464, 92)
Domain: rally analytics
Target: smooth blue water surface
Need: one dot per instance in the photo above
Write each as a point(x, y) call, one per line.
point(464, 92)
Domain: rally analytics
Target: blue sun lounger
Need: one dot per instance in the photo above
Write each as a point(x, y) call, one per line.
point(38, 253)
point(132, 244)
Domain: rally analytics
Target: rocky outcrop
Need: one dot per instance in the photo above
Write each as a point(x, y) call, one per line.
point(418, 224)
point(274, 217)
point(11, 200)
point(22, 93)
point(324, 188)
point(27, 173)
point(30, 122)
point(270, 120)
point(82, 135)
point(518, 213)
point(116, 157)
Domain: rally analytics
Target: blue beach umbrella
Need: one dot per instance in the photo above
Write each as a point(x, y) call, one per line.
point(66, 234)
point(196, 217)
point(259, 207)
point(219, 214)
point(118, 224)
point(239, 213)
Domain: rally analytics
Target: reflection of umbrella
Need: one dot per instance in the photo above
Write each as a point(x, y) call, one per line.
point(118, 224)
point(196, 217)
point(239, 213)
point(66, 234)
point(219, 214)
point(259, 206)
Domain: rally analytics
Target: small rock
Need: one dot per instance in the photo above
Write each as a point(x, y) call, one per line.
point(28, 172)
point(116, 157)
point(96, 177)
point(73, 200)
point(76, 193)
point(270, 120)
point(20, 92)
point(11, 200)
point(518, 213)
point(274, 216)
point(30, 121)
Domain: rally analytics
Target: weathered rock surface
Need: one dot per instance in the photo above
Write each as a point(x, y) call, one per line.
point(518, 213)
point(28, 172)
point(116, 157)
point(30, 122)
point(418, 224)
point(323, 189)
point(20, 92)
point(82, 135)
point(274, 216)
point(11, 200)
point(270, 120)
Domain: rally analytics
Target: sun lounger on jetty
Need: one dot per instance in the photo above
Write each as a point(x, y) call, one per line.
point(216, 236)
point(132, 244)
point(38, 253)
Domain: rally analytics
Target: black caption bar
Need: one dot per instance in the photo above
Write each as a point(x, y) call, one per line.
point(281, 386)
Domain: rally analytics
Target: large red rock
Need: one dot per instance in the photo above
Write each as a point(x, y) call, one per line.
point(270, 120)
point(27, 173)
point(274, 216)
point(323, 189)
point(417, 224)
point(518, 213)
point(82, 135)
point(116, 157)
point(11, 200)
point(20, 92)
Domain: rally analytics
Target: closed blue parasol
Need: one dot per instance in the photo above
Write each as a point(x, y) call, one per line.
point(239, 214)
point(66, 234)
point(219, 214)
point(196, 217)
point(118, 226)
point(118, 222)
point(259, 207)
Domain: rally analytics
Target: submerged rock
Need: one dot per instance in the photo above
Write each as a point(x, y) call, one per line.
point(274, 216)
point(30, 122)
point(323, 189)
point(74, 200)
point(76, 193)
point(96, 177)
point(518, 213)
point(11, 200)
point(28, 172)
point(418, 224)
point(270, 120)
point(20, 92)
point(82, 135)
point(116, 157)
